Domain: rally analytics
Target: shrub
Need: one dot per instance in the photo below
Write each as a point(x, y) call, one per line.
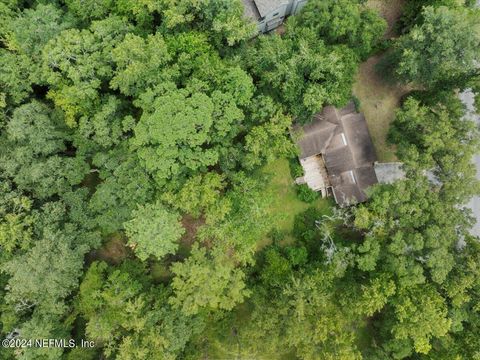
point(305, 194)
point(298, 256)
point(356, 102)
point(277, 235)
point(296, 169)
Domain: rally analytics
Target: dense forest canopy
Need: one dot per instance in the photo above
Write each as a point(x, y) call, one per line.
point(148, 123)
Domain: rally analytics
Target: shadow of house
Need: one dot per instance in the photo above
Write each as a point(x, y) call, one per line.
point(269, 14)
point(337, 155)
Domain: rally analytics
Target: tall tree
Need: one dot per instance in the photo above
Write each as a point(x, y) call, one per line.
point(302, 72)
point(207, 281)
point(154, 230)
point(125, 184)
point(433, 135)
point(177, 128)
point(345, 21)
point(76, 63)
point(130, 316)
point(443, 51)
point(35, 153)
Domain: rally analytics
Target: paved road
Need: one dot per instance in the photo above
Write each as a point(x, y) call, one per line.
point(467, 99)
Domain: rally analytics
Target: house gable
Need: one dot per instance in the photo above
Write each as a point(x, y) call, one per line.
point(341, 138)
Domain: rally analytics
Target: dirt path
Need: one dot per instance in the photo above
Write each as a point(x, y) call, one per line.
point(391, 10)
point(379, 98)
point(378, 101)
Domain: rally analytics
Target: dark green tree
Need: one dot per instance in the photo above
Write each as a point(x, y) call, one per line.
point(442, 51)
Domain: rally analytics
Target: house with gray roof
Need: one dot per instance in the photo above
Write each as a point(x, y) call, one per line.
point(337, 154)
point(269, 14)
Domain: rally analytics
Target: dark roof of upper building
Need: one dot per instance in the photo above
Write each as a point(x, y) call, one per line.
point(250, 10)
point(267, 6)
point(342, 137)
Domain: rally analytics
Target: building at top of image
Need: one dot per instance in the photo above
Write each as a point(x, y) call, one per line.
point(269, 14)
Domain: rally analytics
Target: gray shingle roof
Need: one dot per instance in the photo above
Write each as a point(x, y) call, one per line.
point(359, 140)
point(316, 137)
point(267, 6)
point(339, 160)
point(250, 10)
point(343, 139)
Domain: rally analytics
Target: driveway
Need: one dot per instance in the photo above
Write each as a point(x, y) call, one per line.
point(474, 204)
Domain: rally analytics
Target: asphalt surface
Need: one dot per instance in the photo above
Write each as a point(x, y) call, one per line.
point(474, 204)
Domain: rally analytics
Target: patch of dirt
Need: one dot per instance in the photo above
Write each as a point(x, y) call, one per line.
point(280, 30)
point(113, 251)
point(369, 75)
point(390, 10)
point(191, 226)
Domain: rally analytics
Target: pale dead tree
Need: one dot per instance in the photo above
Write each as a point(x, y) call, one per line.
point(24, 305)
point(343, 215)
point(326, 225)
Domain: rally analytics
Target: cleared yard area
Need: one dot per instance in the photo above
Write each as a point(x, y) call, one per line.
point(379, 98)
point(286, 204)
point(378, 101)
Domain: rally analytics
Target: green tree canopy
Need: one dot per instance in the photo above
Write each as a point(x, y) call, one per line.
point(435, 136)
point(345, 21)
point(444, 50)
point(207, 281)
point(35, 153)
point(130, 316)
point(154, 230)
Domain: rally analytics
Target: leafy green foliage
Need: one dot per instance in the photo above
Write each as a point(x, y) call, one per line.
point(198, 194)
point(296, 169)
point(131, 317)
point(77, 62)
point(304, 193)
point(34, 152)
point(303, 72)
point(154, 230)
point(140, 63)
point(344, 22)
point(301, 318)
point(201, 282)
point(441, 51)
point(125, 184)
point(436, 137)
point(315, 62)
point(58, 269)
point(152, 120)
point(178, 128)
point(408, 240)
point(412, 11)
point(421, 314)
point(16, 224)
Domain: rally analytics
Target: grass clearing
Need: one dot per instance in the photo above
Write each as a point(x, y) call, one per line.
point(286, 205)
point(378, 102)
point(378, 97)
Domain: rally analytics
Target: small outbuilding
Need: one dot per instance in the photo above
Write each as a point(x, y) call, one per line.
point(388, 173)
point(337, 154)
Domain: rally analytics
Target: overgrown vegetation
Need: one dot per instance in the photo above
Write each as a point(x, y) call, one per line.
point(163, 126)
